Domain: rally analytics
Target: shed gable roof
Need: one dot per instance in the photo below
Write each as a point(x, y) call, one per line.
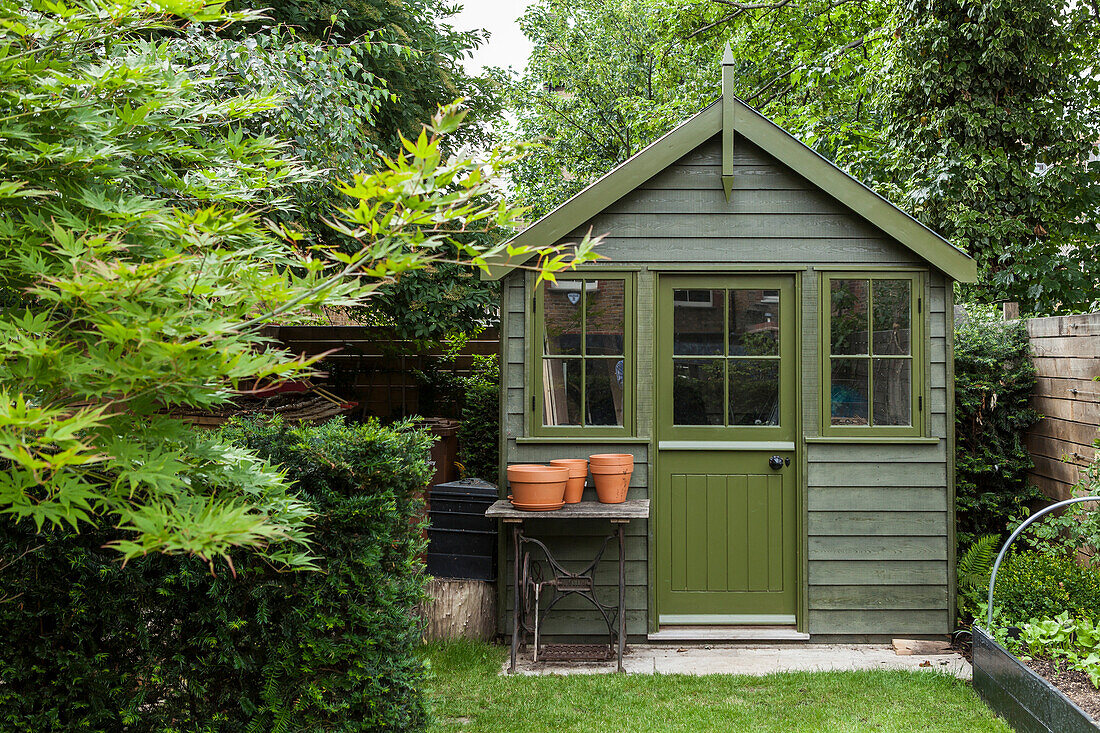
point(779, 143)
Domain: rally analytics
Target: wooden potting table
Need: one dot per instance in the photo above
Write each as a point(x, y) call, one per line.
point(528, 587)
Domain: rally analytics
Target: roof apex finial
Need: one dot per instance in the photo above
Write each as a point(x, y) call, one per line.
point(727, 55)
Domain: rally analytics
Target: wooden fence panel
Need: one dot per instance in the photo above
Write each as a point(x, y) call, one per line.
point(371, 367)
point(1066, 352)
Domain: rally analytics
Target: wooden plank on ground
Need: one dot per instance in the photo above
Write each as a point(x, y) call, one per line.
point(920, 647)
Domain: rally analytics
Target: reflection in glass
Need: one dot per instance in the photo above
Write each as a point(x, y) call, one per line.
point(699, 322)
point(890, 316)
point(893, 387)
point(848, 316)
point(754, 391)
point(850, 387)
point(603, 392)
point(604, 318)
point(561, 391)
point(697, 391)
point(754, 322)
point(562, 308)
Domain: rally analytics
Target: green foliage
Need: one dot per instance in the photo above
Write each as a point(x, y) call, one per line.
point(978, 118)
point(994, 378)
point(1032, 585)
point(329, 102)
point(993, 115)
point(604, 79)
point(1075, 528)
point(1061, 639)
point(138, 267)
point(444, 301)
point(421, 60)
point(162, 645)
point(973, 570)
point(479, 434)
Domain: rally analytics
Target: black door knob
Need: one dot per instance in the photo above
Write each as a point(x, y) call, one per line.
point(775, 462)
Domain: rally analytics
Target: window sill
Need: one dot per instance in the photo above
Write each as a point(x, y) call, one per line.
point(914, 440)
point(583, 440)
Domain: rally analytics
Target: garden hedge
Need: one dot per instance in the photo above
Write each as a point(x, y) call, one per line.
point(164, 645)
point(994, 378)
point(1033, 585)
point(479, 434)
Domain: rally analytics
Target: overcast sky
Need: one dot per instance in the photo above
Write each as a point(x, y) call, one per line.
point(507, 45)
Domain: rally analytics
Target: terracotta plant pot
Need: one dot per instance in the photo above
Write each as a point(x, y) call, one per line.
point(578, 472)
point(611, 474)
point(611, 459)
point(539, 486)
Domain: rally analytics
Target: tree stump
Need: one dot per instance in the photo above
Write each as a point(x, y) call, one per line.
point(460, 609)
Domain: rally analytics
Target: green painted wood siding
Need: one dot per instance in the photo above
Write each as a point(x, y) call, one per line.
point(876, 514)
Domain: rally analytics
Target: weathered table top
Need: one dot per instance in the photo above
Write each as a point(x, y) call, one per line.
point(624, 512)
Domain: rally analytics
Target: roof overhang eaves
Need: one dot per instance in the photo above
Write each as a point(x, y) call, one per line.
point(757, 128)
point(854, 195)
point(613, 185)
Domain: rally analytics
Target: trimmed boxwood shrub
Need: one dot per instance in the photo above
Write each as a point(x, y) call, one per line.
point(164, 645)
point(1035, 585)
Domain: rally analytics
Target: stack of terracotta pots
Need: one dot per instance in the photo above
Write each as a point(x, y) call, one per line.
point(611, 474)
point(539, 488)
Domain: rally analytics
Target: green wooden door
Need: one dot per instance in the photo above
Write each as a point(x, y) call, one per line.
point(726, 519)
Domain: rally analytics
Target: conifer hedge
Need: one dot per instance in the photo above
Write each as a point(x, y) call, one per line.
point(164, 645)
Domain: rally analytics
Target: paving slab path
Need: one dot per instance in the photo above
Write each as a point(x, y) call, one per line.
point(755, 660)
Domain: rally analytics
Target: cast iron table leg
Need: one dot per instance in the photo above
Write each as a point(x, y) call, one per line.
point(622, 596)
point(516, 599)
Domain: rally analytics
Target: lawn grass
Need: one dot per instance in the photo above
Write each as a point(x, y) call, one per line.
point(468, 694)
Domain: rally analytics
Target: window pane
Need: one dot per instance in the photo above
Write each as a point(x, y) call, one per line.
point(603, 392)
point(848, 316)
point(890, 312)
point(698, 322)
point(562, 305)
point(697, 391)
point(893, 387)
point(606, 316)
point(754, 322)
point(561, 391)
point(754, 391)
point(850, 388)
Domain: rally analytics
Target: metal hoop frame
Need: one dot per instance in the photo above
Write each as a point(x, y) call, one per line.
point(1013, 536)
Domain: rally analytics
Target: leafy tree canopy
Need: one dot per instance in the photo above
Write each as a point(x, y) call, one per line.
point(606, 79)
point(978, 118)
point(138, 263)
point(993, 113)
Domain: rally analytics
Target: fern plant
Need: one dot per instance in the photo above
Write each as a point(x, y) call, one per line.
point(973, 569)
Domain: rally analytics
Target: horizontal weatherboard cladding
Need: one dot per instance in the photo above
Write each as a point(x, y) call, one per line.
point(876, 555)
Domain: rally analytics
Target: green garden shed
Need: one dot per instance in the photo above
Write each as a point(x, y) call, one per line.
point(756, 301)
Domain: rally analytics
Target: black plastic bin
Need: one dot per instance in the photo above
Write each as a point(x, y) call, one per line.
point(462, 543)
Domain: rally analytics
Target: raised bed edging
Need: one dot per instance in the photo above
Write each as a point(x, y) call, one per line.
point(1025, 700)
